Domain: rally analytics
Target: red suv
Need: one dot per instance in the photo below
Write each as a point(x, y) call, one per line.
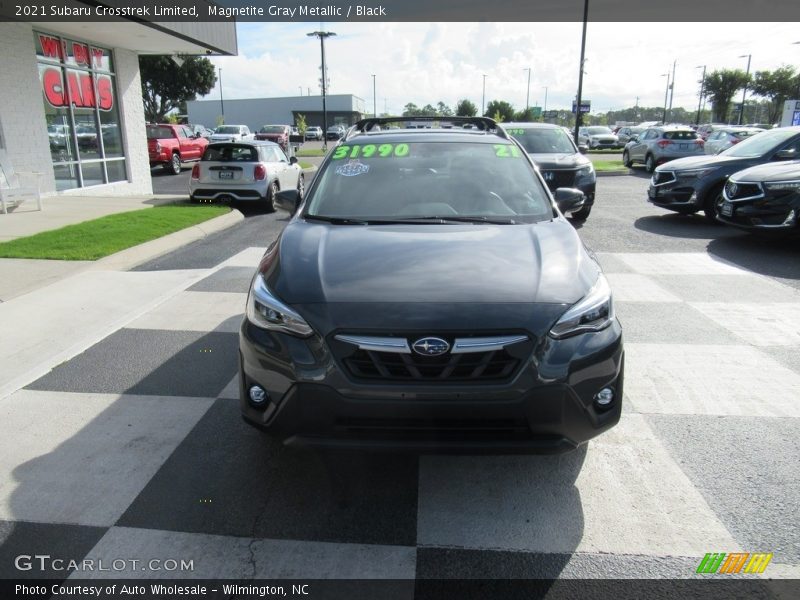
point(171, 145)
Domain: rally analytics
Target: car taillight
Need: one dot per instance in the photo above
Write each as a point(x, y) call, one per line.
point(663, 143)
point(196, 172)
point(260, 173)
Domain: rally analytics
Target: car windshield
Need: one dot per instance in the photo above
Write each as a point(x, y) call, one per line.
point(543, 141)
point(429, 180)
point(272, 129)
point(231, 153)
point(155, 133)
point(759, 145)
point(598, 131)
point(230, 129)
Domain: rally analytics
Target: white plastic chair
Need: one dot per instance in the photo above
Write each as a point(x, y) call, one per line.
point(17, 186)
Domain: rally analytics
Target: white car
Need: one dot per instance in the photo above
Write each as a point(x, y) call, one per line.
point(597, 137)
point(314, 133)
point(253, 171)
point(232, 133)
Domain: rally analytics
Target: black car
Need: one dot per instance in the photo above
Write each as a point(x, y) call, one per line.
point(429, 295)
point(688, 185)
point(764, 199)
point(560, 162)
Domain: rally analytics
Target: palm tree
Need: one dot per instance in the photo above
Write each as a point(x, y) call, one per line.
point(720, 88)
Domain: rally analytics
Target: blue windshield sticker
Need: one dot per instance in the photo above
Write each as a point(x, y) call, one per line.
point(352, 168)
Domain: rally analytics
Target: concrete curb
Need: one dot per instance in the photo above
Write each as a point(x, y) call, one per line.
point(136, 255)
point(612, 173)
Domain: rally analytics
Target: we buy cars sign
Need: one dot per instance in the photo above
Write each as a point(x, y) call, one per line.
point(79, 89)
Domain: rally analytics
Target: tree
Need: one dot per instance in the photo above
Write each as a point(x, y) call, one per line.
point(301, 124)
point(525, 115)
point(465, 108)
point(776, 86)
point(502, 107)
point(165, 85)
point(721, 86)
point(411, 110)
point(443, 110)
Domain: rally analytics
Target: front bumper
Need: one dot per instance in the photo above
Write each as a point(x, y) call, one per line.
point(547, 407)
point(775, 216)
point(675, 194)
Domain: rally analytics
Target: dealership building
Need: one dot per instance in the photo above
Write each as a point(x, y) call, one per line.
point(342, 109)
point(71, 99)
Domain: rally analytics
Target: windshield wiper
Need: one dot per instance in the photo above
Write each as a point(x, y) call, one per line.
point(336, 220)
point(462, 219)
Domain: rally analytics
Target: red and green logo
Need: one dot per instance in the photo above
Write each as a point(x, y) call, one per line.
point(734, 562)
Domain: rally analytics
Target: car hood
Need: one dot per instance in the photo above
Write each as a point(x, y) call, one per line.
point(603, 136)
point(700, 162)
point(559, 161)
point(771, 172)
point(323, 263)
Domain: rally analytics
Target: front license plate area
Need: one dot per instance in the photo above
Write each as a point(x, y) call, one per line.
point(652, 193)
point(727, 209)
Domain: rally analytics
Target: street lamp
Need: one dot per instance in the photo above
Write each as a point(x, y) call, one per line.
point(322, 35)
point(702, 88)
point(666, 95)
point(483, 98)
point(545, 99)
point(374, 98)
point(301, 89)
point(578, 98)
point(528, 94)
point(221, 101)
point(744, 91)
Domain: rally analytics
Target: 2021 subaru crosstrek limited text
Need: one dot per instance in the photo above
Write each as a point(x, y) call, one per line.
point(429, 295)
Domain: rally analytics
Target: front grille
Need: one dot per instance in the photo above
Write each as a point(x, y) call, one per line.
point(441, 429)
point(735, 190)
point(389, 366)
point(558, 178)
point(660, 177)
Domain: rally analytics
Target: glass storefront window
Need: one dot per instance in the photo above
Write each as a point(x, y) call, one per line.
point(80, 102)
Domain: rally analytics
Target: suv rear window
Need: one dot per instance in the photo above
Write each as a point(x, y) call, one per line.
point(680, 135)
point(231, 153)
point(159, 133)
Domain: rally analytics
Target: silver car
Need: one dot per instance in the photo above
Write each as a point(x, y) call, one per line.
point(624, 134)
point(597, 137)
point(314, 133)
point(248, 171)
point(232, 133)
point(658, 145)
point(723, 138)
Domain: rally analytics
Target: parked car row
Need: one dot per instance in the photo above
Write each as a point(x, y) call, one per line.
point(753, 185)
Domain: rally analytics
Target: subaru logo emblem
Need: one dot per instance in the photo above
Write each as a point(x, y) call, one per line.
point(430, 346)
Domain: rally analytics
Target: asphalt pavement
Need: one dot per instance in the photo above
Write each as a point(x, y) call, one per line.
point(133, 446)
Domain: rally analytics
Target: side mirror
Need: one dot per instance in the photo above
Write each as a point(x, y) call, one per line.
point(583, 148)
point(569, 200)
point(633, 138)
point(293, 160)
point(288, 200)
point(786, 154)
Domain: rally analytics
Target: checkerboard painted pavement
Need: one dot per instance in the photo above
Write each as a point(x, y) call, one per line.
point(134, 448)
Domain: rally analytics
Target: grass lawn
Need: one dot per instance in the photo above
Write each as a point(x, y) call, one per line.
point(98, 238)
point(309, 152)
point(304, 164)
point(609, 165)
point(606, 151)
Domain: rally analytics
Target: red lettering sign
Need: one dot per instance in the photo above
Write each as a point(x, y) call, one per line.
point(51, 47)
point(81, 53)
point(81, 90)
point(97, 58)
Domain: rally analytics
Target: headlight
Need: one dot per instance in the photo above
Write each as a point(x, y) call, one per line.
point(782, 185)
point(693, 173)
point(264, 310)
point(593, 313)
point(585, 171)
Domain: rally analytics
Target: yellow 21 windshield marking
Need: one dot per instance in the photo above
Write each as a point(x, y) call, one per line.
point(370, 151)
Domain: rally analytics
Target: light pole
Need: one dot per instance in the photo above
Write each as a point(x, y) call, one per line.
point(483, 98)
point(301, 89)
point(672, 87)
point(744, 91)
point(528, 94)
point(374, 98)
point(322, 35)
point(666, 95)
point(702, 89)
point(221, 101)
point(578, 115)
point(545, 99)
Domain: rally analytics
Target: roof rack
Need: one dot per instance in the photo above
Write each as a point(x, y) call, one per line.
point(482, 123)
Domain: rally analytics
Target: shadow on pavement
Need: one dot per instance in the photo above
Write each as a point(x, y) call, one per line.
point(772, 257)
point(684, 226)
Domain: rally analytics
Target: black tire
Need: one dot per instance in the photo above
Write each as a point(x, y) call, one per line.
point(193, 200)
point(582, 214)
point(649, 163)
point(174, 165)
point(626, 159)
point(301, 187)
point(713, 202)
point(269, 203)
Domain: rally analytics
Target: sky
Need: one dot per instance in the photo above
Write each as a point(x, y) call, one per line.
point(428, 62)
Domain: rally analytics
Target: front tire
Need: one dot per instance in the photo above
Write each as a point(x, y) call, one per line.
point(301, 187)
point(650, 163)
point(626, 159)
point(713, 203)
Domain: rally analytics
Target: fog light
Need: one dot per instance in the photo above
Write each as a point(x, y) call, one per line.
point(258, 395)
point(604, 397)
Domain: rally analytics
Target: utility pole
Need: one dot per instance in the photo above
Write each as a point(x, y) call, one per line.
point(744, 91)
point(221, 101)
point(545, 99)
point(672, 88)
point(702, 89)
point(636, 110)
point(374, 99)
point(322, 35)
point(528, 93)
point(483, 100)
point(578, 115)
point(666, 95)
